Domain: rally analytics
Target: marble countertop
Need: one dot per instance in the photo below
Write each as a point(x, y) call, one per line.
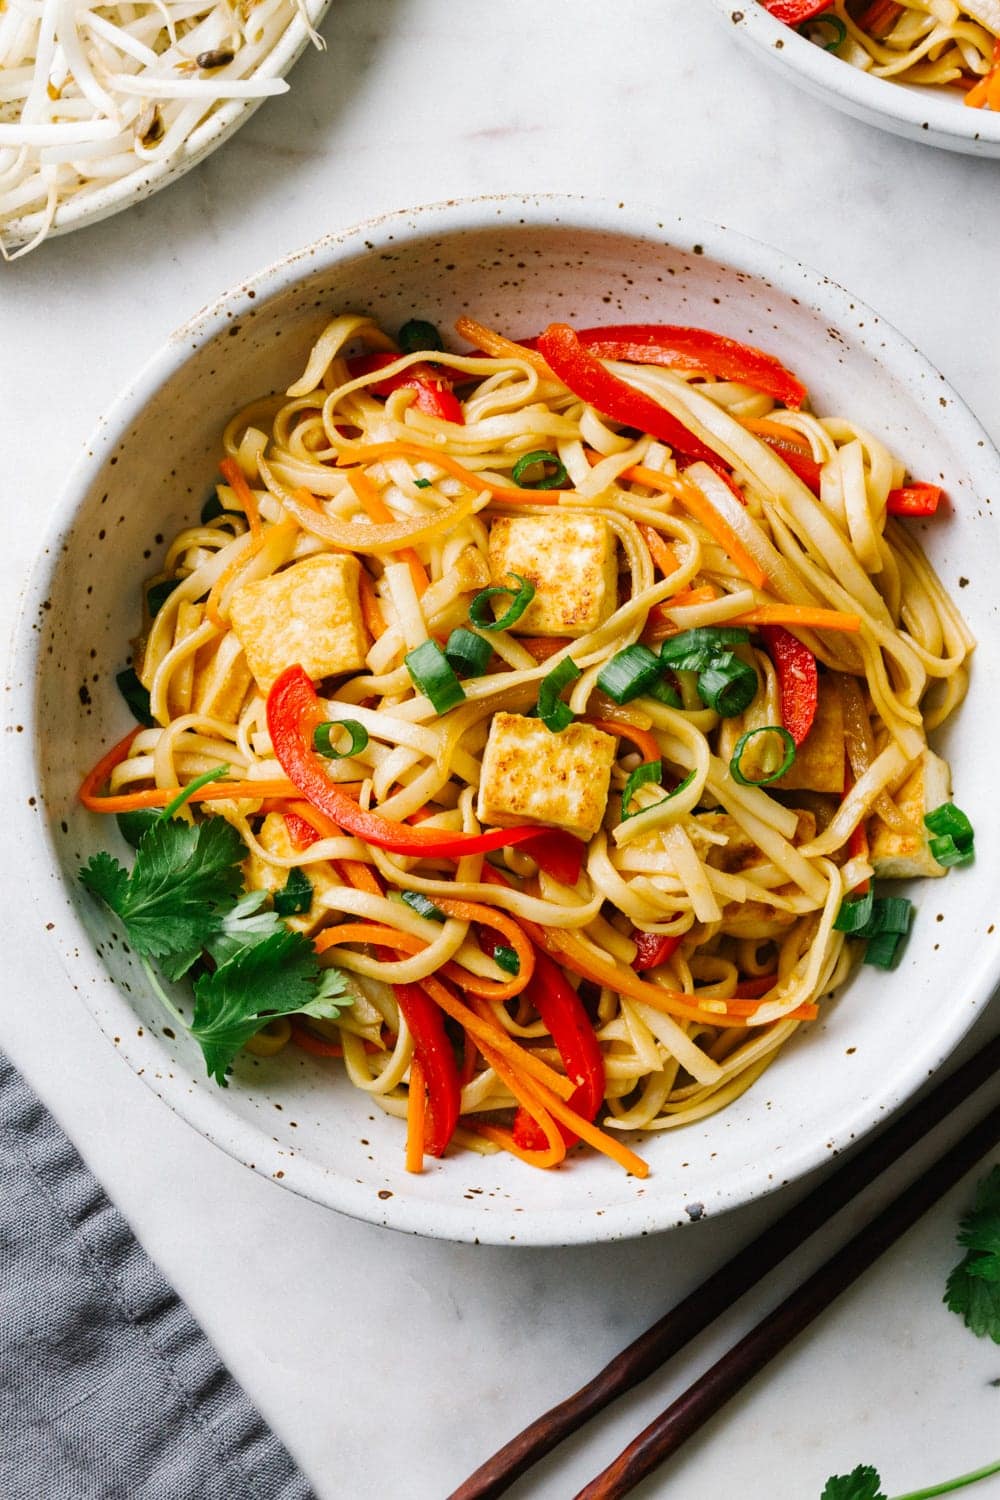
point(391, 1366)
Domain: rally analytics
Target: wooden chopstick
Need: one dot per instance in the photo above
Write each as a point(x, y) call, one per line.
point(744, 1360)
point(725, 1286)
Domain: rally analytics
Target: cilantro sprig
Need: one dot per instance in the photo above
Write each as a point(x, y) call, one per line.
point(183, 904)
point(973, 1288)
point(863, 1483)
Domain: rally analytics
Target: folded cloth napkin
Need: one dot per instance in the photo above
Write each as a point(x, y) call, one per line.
point(109, 1390)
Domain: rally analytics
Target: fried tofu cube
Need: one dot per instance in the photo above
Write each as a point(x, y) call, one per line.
point(308, 614)
point(819, 761)
point(531, 775)
point(899, 855)
point(573, 563)
point(262, 876)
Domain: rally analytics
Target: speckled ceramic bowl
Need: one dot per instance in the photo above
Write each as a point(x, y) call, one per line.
point(146, 180)
point(516, 262)
point(933, 116)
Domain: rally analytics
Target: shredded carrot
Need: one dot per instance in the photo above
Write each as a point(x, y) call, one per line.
point(371, 610)
point(215, 791)
point(803, 615)
point(315, 1045)
point(367, 932)
point(543, 646)
point(416, 1113)
point(555, 1148)
point(765, 427)
point(490, 342)
point(706, 593)
point(370, 453)
point(318, 821)
point(702, 509)
point(660, 551)
point(474, 911)
point(488, 1032)
point(646, 743)
point(234, 476)
point(99, 774)
point(377, 510)
point(353, 872)
point(659, 623)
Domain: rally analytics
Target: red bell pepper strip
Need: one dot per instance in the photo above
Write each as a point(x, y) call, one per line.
point(652, 949)
point(794, 12)
point(696, 350)
point(798, 679)
point(584, 374)
point(293, 712)
point(559, 854)
point(914, 500)
point(799, 460)
point(425, 1023)
point(433, 387)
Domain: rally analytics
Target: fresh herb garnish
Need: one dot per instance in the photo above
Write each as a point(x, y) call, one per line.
point(863, 1483)
point(135, 695)
point(973, 1289)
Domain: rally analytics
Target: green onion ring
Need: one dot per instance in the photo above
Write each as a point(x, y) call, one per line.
point(553, 712)
point(553, 481)
point(645, 775)
point(323, 738)
point(521, 597)
point(744, 740)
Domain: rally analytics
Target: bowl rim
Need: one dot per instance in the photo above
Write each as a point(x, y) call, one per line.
point(146, 179)
point(925, 112)
point(206, 1110)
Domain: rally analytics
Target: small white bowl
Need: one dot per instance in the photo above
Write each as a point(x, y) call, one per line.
point(934, 116)
point(223, 122)
point(516, 262)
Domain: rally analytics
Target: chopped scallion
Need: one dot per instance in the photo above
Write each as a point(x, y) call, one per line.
point(736, 763)
point(481, 614)
point(828, 22)
point(883, 950)
point(507, 960)
point(434, 676)
point(136, 696)
point(553, 475)
point(553, 712)
point(949, 820)
point(418, 334)
point(629, 673)
point(664, 693)
point(158, 593)
point(295, 896)
point(323, 738)
point(648, 774)
point(467, 652)
point(186, 792)
point(947, 852)
point(422, 484)
point(422, 905)
point(728, 686)
point(694, 650)
point(855, 913)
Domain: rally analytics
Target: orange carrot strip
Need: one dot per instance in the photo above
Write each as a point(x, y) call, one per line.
point(215, 791)
point(543, 646)
point(377, 510)
point(977, 96)
point(315, 1045)
point(660, 551)
point(592, 1134)
point(416, 1112)
point(99, 774)
point(470, 1052)
point(494, 343)
point(367, 932)
point(371, 610)
point(487, 1030)
point(353, 872)
point(474, 911)
point(645, 742)
point(234, 476)
point(702, 509)
point(803, 615)
point(555, 1149)
point(765, 427)
point(370, 453)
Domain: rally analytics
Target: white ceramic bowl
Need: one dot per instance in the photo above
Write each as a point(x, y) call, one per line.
point(146, 180)
point(516, 262)
point(937, 117)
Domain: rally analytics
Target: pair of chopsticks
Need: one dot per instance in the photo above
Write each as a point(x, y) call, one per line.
point(699, 1309)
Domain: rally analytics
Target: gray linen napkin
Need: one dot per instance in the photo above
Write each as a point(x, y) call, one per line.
point(109, 1390)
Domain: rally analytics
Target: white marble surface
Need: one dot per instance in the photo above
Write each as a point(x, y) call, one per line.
point(390, 1365)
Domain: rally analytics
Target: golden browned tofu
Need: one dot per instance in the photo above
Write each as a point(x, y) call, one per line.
point(531, 775)
point(571, 560)
point(221, 679)
point(819, 760)
point(903, 855)
point(308, 614)
point(260, 876)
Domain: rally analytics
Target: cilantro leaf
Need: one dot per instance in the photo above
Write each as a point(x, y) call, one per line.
point(275, 977)
point(973, 1288)
point(863, 1483)
point(184, 875)
point(243, 926)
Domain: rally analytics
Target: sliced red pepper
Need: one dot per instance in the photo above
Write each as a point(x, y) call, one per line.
point(293, 712)
point(914, 500)
point(652, 949)
point(799, 460)
point(698, 351)
point(425, 1023)
point(583, 373)
point(301, 832)
point(794, 12)
point(798, 679)
point(559, 854)
point(434, 391)
point(752, 989)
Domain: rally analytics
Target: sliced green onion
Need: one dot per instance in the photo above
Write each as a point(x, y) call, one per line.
point(892, 914)
point(629, 673)
point(158, 594)
point(949, 819)
point(467, 652)
point(323, 738)
point(553, 475)
point(735, 764)
point(193, 786)
point(418, 334)
point(728, 686)
point(507, 959)
point(883, 950)
point(295, 896)
point(134, 825)
point(651, 771)
point(480, 613)
point(553, 712)
point(422, 484)
point(434, 676)
point(663, 692)
point(855, 914)
point(694, 650)
point(834, 23)
point(947, 852)
point(136, 696)
point(422, 905)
